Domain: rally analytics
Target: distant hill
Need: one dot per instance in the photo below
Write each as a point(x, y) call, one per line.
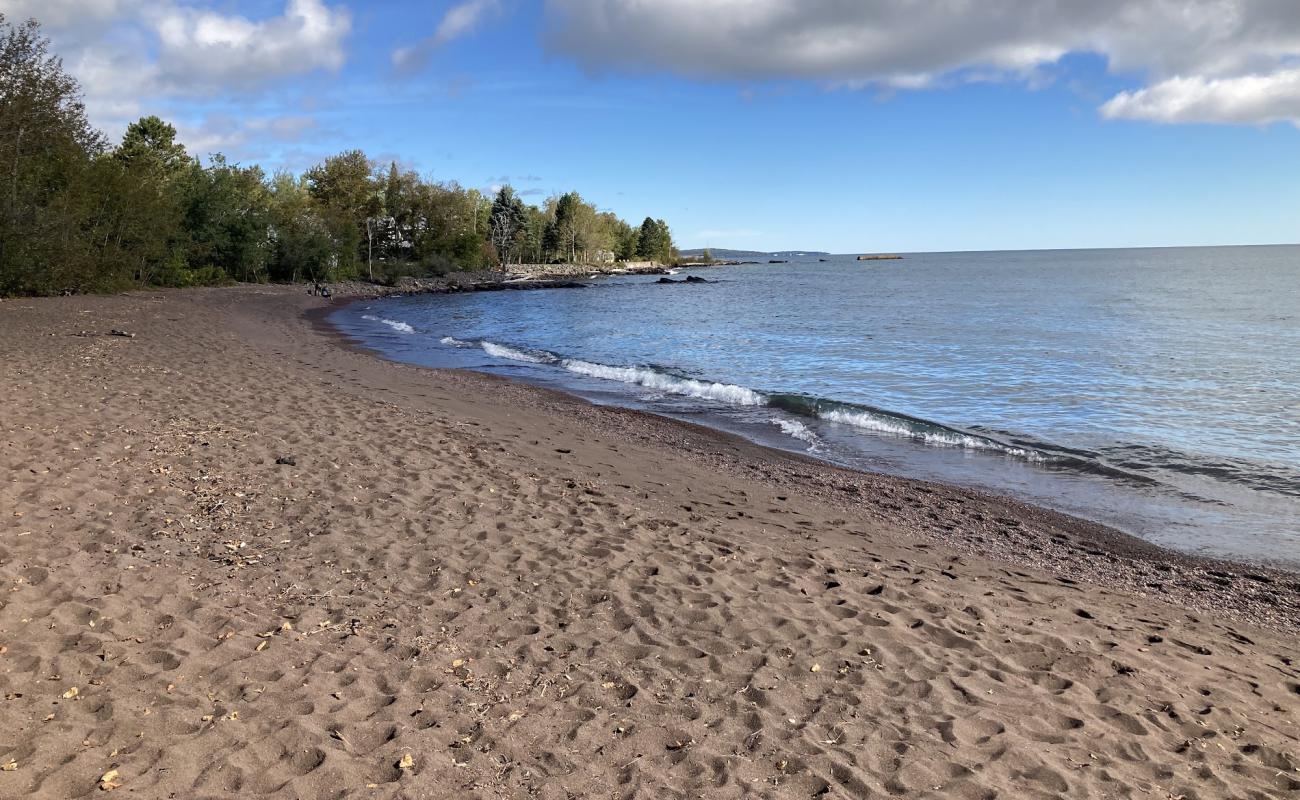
point(722, 252)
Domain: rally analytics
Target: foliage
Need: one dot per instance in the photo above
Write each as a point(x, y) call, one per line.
point(655, 242)
point(77, 215)
point(507, 225)
point(149, 147)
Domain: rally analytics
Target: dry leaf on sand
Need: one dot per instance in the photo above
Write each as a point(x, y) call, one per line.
point(110, 780)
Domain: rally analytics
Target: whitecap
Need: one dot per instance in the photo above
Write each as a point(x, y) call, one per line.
point(671, 384)
point(798, 430)
point(397, 325)
point(511, 354)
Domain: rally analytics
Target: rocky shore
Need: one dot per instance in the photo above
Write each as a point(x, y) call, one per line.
point(515, 277)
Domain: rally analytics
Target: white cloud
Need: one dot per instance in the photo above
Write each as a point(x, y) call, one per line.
point(459, 21)
point(1258, 99)
point(131, 56)
point(1206, 60)
point(204, 49)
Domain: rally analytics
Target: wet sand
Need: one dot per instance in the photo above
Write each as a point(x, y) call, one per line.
point(457, 586)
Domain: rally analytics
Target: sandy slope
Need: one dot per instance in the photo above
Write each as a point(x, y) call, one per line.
point(531, 597)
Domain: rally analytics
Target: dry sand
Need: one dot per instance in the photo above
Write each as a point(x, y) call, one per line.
point(463, 587)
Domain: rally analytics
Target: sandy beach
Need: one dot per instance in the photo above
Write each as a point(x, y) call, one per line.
point(241, 557)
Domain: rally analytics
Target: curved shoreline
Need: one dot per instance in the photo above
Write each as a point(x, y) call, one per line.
point(241, 555)
point(1011, 530)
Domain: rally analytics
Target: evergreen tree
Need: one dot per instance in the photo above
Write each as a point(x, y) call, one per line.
point(655, 242)
point(149, 148)
point(565, 237)
point(507, 221)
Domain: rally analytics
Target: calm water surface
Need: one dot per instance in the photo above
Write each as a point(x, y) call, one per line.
point(1154, 390)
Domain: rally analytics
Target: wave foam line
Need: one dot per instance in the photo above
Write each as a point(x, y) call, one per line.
point(877, 421)
point(888, 424)
point(861, 417)
point(512, 354)
point(797, 430)
point(397, 325)
point(652, 379)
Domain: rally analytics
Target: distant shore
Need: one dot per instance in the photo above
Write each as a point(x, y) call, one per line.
point(243, 556)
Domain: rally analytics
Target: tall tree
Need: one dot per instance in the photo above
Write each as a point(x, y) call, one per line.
point(46, 148)
point(149, 148)
point(346, 188)
point(304, 243)
point(507, 221)
point(227, 216)
point(564, 231)
point(655, 241)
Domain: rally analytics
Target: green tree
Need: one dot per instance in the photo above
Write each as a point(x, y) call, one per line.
point(563, 233)
point(627, 241)
point(46, 151)
point(75, 216)
point(349, 195)
point(655, 241)
point(304, 245)
point(506, 223)
point(149, 148)
point(227, 217)
point(151, 236)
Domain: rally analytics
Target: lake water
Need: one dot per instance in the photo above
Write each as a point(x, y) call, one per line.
point(1155, 390)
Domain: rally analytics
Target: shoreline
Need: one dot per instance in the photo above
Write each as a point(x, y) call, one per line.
point(1196, 581)
point(526, 277)
point(1171, 494)
point(271, 562)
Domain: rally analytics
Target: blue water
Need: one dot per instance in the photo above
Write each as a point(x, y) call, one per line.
point(1157, 391)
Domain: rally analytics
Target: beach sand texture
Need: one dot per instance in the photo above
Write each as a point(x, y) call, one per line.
point(461, 587)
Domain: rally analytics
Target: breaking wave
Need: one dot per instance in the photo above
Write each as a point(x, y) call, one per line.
point(892, 423)
point(863, 417)
point(512, 354)
point(670, 384)
point(796, 429)
point(397, 325)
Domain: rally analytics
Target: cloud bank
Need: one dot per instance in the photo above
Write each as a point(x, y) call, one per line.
point(1224, 61)
point(1194, 61)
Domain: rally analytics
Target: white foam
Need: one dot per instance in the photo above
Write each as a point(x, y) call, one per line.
point(866, 421)
point(397, 325)
point(650, 379)
point(896, 427)
point(510, 353)
point(797, 429)
point(454, 342)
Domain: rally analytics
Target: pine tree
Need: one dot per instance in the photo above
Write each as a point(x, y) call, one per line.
point(505, 223)
point(150, 149)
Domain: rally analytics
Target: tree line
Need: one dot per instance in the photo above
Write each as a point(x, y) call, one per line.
point(78, 214)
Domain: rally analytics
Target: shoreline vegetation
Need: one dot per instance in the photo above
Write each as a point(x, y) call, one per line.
point(244, 556)
point(78, 214)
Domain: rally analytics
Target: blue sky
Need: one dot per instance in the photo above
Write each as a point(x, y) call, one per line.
point(744, 124)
